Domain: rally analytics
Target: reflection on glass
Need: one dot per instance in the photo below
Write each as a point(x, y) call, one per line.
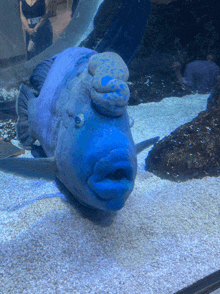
point(42, 22)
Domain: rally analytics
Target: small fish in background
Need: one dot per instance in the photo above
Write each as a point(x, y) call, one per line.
point(80, 119)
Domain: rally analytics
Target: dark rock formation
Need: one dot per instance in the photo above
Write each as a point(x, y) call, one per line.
point(152, 78)
point(181, 31)
point(184, 25)
point(192, 150)
point(127, 28)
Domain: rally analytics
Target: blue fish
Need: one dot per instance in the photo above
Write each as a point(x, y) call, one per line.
point(80, 119)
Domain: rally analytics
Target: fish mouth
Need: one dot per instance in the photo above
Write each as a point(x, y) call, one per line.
point(113, 176)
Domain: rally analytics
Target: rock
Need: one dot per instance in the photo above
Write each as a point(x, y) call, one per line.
point(168, 30)
point(191, 151)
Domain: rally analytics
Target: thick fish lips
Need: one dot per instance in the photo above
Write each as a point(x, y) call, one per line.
point(113, 176)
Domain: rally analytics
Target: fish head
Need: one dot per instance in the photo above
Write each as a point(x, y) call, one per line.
point(95, 154)
point(97, 161)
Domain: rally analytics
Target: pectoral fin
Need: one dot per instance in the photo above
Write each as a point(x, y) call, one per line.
point(30, 167)
point(145, 144)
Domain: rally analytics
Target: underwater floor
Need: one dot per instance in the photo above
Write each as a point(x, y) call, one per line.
point(164, 239)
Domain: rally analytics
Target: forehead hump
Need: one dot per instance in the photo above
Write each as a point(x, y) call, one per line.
point(109, 92)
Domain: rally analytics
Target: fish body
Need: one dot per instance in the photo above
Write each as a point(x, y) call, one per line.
point(81, 121)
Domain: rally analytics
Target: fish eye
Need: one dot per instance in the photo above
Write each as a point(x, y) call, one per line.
point(131, 122)
point(79, 120)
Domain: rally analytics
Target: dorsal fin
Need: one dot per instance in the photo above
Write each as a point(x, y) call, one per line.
point(22, 126)
point(30, 167)
point(40, 72)
point(145, 144)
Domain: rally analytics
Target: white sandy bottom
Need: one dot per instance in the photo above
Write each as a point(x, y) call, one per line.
point(165, 238)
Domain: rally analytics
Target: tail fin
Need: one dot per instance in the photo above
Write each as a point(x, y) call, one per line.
point(22, 126)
